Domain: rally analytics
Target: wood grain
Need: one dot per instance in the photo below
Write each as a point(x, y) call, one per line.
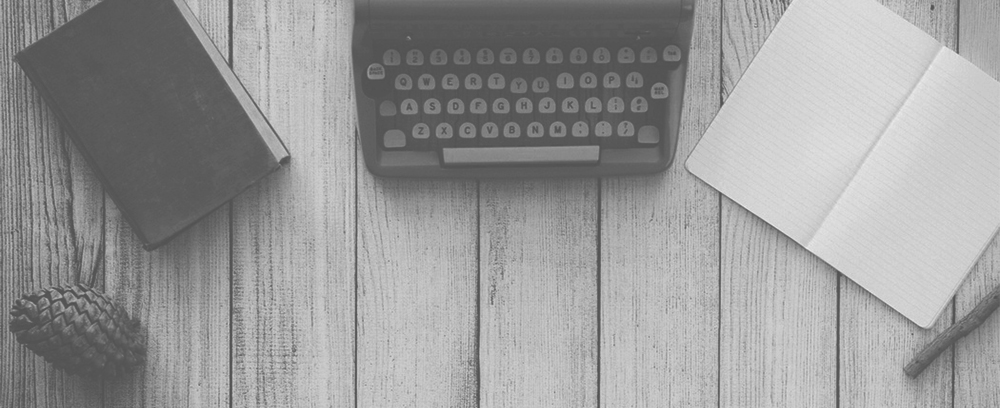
point(538, 293)
point(417, 287)
point(51, 217)
point(180, 292)
point(294, 235)
point(876, 341)
point(779, 302)
point(660, 261)
point(977, 362)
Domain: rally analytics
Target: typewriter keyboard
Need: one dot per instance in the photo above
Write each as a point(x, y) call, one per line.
point(602, 94)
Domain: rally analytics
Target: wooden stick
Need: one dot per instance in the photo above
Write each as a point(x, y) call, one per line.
point(946, 339)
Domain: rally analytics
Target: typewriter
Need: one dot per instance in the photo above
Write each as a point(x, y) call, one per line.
point(519, 88)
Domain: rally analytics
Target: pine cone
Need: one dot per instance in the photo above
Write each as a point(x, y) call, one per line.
point(79, 330)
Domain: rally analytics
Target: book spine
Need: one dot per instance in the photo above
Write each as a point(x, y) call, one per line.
point(264, 128)
point(23, 60)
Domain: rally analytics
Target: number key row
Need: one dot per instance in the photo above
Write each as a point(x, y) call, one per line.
point(531, 56)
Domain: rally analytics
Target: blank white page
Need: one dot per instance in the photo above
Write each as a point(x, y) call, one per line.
point(811, 104)
point(869, 143)
point(926, 202)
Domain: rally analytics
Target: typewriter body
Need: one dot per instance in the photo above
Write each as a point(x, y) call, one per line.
point(519, 88)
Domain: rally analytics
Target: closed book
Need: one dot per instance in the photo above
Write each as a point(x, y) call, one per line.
point(156, 111)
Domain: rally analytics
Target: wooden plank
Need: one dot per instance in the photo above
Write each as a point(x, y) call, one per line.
point(51, 216)
point(660, 261)
point(876, 341)
point(294, 235)
point(538, 293)
point(417, 287)
point(977, 363)
point(180, 292)
point(779, 302)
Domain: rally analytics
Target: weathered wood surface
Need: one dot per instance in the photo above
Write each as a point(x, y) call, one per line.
point(976, 357)
point(778, 341)
point(325, 286)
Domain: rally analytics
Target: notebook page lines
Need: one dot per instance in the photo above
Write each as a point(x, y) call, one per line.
point(807, 111)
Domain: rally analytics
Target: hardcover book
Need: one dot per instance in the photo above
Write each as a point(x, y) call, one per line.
point(156, 111)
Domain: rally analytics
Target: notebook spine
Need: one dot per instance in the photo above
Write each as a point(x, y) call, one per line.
point(24, 61)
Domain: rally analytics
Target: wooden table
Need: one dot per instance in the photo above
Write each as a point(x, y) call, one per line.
point(325, 286)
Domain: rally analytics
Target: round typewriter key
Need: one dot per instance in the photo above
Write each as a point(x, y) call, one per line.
point(626, 129)
point(443, 131)
point(578, 56)
point(593, 105)
point(408, 107)
point(415, 58)
point(439, 57)
point(648, 55)
point(570, 105)
point(547, 105)
point(496, 82)
point(473, 82)
point(671, 53)
point(394, 139)
point(616, 105)
point(376, 72)
point(639, 105)
point(501, 106)
point(512, 130)
point(456, 106)
point(612, 80)
point(540, 85)
point(588, 80)
point(659, 91)
point(508, 56)
point(518, 86)
point(484, 57)
point(531, 56)
point(462, 57)
point(557, 129)
point(633, 80)
point(536, 130)
point(524, 106)
point(387, 108)
point(432, 106)
point(490, 130)
point(391, 58)
point(449, 82)
point(554, 56)
point(602, 129)
point(626, 55)
point(602, 55)
point(404, 82)
point(421, 131)
point(477, 106)
point(467, 131)
point(581, 129)
point(565, 81)
point(426, 82)
point(649, 135)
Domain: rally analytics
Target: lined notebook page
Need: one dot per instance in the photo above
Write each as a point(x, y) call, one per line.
point(811, 105)
point(869, 143)
point(926, 202)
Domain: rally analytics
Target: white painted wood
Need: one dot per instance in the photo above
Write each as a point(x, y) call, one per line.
point(51, 218)
point(294, 235)
point(779, 302)
point(660, 261)
point(977, 360)
point(417, 287)
point(876, 341)
point(538, 293)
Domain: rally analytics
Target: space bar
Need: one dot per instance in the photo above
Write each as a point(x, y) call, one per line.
point(521, 155)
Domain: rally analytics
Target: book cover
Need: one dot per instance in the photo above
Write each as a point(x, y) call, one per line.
point(156, 111)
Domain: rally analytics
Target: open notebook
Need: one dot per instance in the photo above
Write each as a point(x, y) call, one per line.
point(868, 143)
